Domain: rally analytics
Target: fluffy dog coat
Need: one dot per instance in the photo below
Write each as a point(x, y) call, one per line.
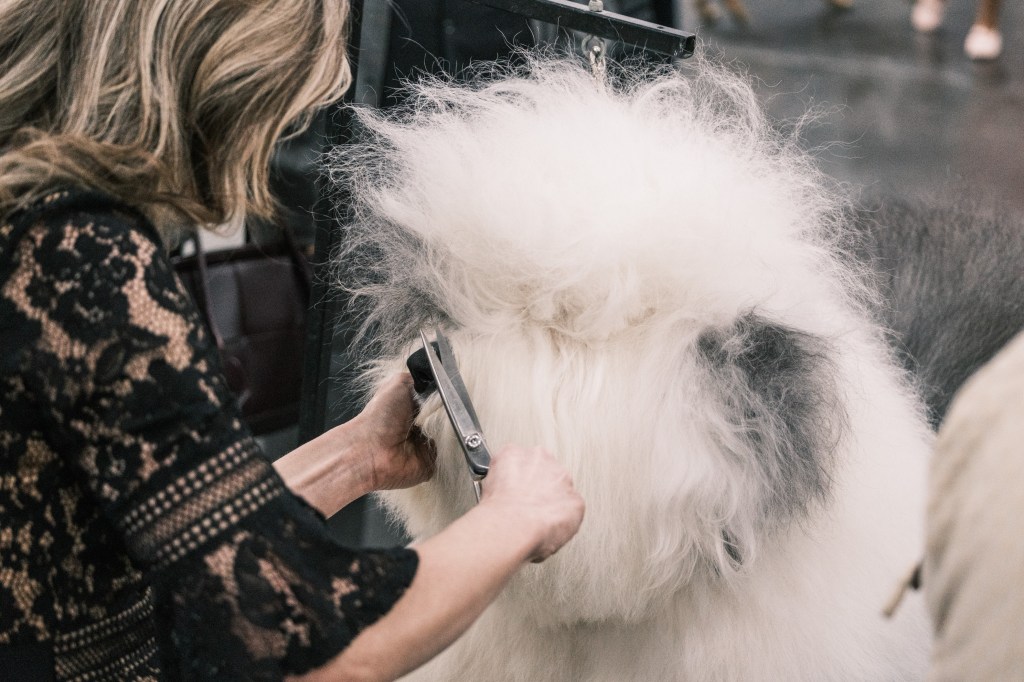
point(640, 275)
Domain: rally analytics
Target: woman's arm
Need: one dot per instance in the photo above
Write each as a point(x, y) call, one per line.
point(460, 572)
point(124, 390)
point(378, 450)
point(528, 512)
point(529, 509)
point(328, 472)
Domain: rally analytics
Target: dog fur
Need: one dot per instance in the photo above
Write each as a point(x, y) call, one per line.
point(948, 271)
point(643, 276)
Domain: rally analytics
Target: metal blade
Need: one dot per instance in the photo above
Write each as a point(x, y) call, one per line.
point(471, 439)
point(452, 370)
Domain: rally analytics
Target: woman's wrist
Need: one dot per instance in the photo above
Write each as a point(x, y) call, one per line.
point(329, 472)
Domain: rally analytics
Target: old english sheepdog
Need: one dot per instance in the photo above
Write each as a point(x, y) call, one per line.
point(641, 274)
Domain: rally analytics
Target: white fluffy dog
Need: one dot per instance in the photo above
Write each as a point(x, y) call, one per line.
point(645, 278)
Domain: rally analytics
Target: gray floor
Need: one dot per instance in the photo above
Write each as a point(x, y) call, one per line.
point(911, 113)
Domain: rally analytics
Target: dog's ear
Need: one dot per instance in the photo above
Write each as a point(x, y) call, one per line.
point(779, 415)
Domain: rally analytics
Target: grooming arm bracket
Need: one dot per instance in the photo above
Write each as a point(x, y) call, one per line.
point(579, 17)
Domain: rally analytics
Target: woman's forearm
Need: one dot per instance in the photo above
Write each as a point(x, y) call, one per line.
point(377, 450)
point(461, 570)
point(328, 472)
point(529, 510)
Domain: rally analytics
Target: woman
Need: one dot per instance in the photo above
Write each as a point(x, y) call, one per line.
point(143, 536)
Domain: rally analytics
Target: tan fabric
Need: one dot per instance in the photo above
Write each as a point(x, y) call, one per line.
point(974, 567)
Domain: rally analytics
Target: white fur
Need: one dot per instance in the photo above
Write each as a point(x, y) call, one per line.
point(576, 239)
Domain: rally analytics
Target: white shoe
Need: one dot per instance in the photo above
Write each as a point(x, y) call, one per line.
point(927, 15)
point(983, 43)
point(709, 12)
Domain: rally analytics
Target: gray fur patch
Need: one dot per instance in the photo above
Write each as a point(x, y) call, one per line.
point(950, 273)
point(777, 388)
point(388, 297)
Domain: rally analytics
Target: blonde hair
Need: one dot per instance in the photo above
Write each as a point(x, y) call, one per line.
point(162, 103)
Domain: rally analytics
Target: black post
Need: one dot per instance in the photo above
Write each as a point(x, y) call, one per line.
point(324, 305)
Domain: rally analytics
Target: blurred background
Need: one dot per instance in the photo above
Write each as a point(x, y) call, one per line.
point(910, 112)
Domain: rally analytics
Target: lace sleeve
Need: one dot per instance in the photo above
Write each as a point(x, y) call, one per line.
point(249, 585)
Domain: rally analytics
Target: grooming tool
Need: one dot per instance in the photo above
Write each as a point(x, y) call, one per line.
point(459, 407)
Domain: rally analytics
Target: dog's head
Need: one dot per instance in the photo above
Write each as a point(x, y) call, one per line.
point(638, 276)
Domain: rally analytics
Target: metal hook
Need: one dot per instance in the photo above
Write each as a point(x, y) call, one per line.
point(595, 49)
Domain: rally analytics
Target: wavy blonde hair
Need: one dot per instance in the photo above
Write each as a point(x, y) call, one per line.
point(165, 104)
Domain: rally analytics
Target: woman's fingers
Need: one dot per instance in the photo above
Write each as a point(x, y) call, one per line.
point(534, 487)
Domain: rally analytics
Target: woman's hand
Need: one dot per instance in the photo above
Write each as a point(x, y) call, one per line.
point(378, 450)
point(533, 488)
point(395, 452)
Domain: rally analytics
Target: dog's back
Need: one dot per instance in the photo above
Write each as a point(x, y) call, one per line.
point(950, 276)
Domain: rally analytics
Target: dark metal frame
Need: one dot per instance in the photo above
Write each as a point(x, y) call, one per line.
point(325, 308)
point(603, 24)
point(322, 332)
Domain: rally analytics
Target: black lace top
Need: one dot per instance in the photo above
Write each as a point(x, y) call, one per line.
point(142, 533)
